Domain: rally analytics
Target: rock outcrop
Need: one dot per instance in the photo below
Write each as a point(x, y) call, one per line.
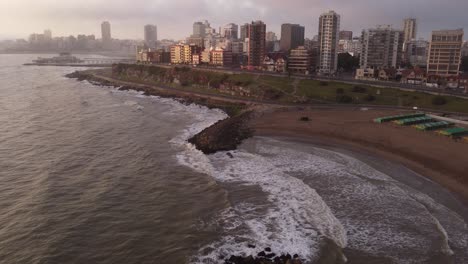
point(225, 135)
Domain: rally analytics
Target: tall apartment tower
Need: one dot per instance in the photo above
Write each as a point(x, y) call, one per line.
point(151, 35)
point(199, 29)
point(292, 36)
point(445, 52)
point(230, 31)
point(381, 48)
point(106, 32)
point(243, 31)
point(409, 29)
point(256, 48)
point(329, 28)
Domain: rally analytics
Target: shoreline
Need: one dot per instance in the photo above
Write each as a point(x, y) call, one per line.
point(283, 121)
point(406, 146)
point(379, 161)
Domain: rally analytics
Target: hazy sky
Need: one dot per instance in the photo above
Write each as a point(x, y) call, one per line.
point(174, 18)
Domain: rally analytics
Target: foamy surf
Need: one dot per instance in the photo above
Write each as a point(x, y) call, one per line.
point(313, 193)
point(295, 221)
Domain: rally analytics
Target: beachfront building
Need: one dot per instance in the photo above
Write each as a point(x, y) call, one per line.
point(329, 27)
point(183, 53)
point(256, 51)
point(299, 60)
point(381, 48)
point(221, 57)
point(148, 56)
point(445, 53)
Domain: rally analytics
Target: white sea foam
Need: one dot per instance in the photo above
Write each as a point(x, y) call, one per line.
point(295, 221)
point(381, 216)
point(370, 211)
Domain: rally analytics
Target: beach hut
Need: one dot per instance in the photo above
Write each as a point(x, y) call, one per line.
point(433, 125)
point(397, 117)
point(414, 120)
point(454, 132)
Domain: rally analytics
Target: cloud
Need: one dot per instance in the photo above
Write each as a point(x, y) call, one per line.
point(175, 17)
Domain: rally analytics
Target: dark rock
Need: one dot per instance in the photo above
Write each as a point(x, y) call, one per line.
point(225, 135)
point(271, 255)
point(261, 254)
point(249, 245)
point(232, 156)
point(288, 256)
point(296, 256)
point(267, 249)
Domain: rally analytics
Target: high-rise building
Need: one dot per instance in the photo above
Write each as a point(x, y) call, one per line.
point(256, 34)
point(106, 32)
point(329, 27)
point(409, 29)
point(292, 36)
point(48, 34)
point(346, 35)
point(230, 31)
point(199, 29)
point(416, 52)
point(299, 60)
point(151, 35)
point(352, 47)
point(445, 52)
point(271, 36)
point(381, 48)
point(243, 31)
point(465, 49)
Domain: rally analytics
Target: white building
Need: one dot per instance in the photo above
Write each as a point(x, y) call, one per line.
point(329, 29)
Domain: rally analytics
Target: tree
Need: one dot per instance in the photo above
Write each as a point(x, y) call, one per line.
point(347, 62)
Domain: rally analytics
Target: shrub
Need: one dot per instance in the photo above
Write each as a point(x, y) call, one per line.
point(359, 89)
point(369, 98)
point(304, 118)
point(339, 91)
point(439, 100)
point(344, 99)
point(322, 83)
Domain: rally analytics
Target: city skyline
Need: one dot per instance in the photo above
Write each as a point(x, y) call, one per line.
point(85, 17)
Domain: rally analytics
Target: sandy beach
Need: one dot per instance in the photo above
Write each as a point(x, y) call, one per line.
point(442, 159)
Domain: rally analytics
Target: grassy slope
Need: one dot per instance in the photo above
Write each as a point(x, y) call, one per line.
point(315, 90)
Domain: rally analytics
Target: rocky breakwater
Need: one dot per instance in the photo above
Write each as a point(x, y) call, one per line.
point(224, 135)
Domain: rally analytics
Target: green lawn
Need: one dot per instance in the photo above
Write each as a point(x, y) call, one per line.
point(313, 89)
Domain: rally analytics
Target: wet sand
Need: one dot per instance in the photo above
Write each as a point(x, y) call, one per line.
point(441, 159)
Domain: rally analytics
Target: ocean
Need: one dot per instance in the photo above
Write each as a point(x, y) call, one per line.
point(91, 174)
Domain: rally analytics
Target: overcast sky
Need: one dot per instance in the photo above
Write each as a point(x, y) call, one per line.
point(174, 18)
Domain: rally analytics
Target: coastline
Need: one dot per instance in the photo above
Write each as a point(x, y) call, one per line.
point(437, 158)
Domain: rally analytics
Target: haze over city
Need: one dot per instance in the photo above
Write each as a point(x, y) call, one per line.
point(233, 131)
point(174, 18)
